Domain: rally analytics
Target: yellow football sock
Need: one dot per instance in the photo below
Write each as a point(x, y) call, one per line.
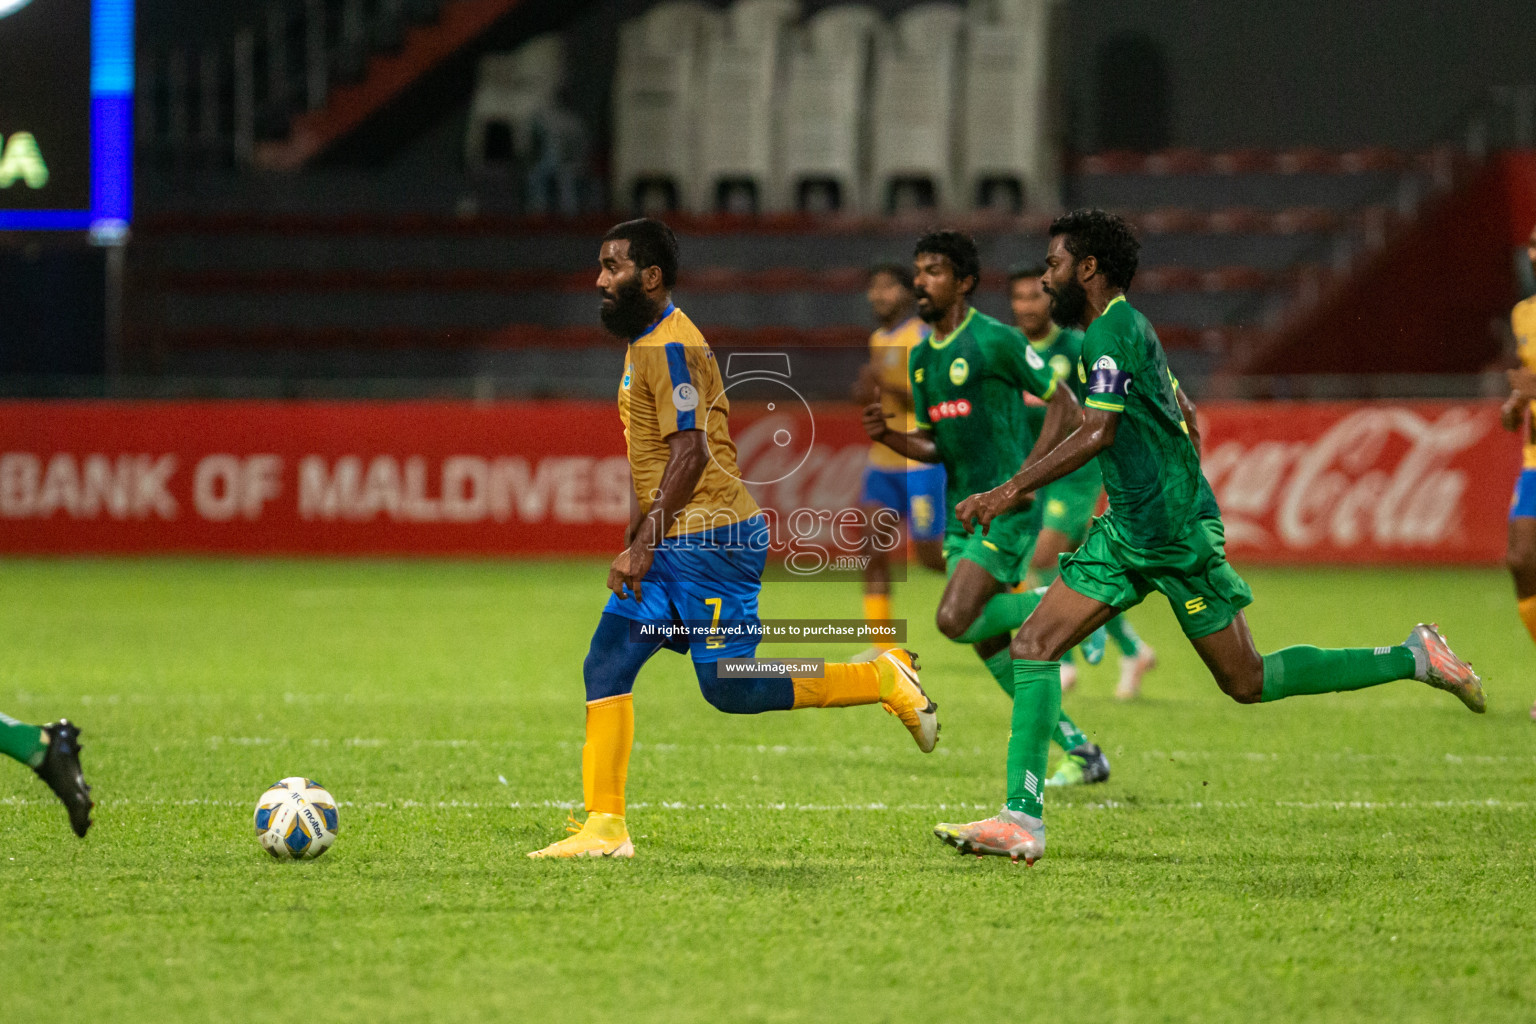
point(605, 755)
point(842, 686)
point(1528, 615)
point(877, 608)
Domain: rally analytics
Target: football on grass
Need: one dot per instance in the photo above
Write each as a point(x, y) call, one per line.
point(296, 819)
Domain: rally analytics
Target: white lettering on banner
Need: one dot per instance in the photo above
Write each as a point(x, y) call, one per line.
point(567, 489)
point(466, 488)
point(224, 486)
point(129, 486)
point(1339, 489)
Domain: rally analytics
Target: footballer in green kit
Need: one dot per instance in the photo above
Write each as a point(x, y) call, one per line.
point(1068, 504)
point(968, 378)
point(1162, 532)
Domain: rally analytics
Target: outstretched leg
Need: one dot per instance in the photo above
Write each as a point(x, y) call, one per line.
point(1249, 678)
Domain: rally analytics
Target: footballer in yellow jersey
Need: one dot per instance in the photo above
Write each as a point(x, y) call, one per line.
point(893, 483)
point(1520, 414)
point(689, 576)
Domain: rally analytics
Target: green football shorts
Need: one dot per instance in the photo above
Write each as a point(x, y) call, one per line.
point(1003, 551)
point(1205, 591)
point(1069, 506)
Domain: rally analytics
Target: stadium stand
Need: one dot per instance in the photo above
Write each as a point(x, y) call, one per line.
point(739, 92)
point(657, 104)
point(915, 111)
point(1012, 118)
point(823, 121)
point(790, 154)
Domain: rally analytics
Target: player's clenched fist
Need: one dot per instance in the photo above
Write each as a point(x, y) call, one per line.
point(874, 421)
point(628, 570)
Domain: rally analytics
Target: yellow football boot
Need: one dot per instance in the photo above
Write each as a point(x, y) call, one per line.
point(903, 696)
point(604, 835)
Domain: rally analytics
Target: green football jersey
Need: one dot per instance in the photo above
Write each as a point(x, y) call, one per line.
point(1061, 351)
point(967, 391)
point(1151, 471)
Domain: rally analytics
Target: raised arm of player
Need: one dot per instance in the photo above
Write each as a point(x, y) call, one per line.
point(1086, 442)
point(687, 455)
point(917, 444)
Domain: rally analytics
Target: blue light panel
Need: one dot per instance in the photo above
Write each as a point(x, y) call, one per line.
point(111, 134)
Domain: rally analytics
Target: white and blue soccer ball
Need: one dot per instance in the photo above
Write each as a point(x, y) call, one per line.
point(296, 819)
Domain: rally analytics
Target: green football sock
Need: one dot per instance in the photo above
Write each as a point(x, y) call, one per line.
point(21, 741)
point(1123, 634)
point(1001, 667)
point(1067, 735)
point(1036, 709)
point(1047, 574)
point(1003, 614)
point(1299, 670)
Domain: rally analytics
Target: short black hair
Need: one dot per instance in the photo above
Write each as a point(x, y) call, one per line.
point(651, 244)
point(901, 273)
point(1104, 236)
point(1020, 271)
point(957, 247)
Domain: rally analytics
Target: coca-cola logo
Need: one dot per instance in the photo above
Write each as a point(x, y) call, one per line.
point(1379, 476)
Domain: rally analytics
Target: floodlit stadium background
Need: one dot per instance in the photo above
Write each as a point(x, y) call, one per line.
point(376, 202)
point(309, 464)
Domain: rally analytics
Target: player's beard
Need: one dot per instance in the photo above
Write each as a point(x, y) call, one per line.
point(630, 312)
point(1068, 304)
point(931, 313)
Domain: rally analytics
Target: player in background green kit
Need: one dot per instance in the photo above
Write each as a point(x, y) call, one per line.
point(968, 378)
point(53, 752)
point(1162, 532)
point(1068, 504)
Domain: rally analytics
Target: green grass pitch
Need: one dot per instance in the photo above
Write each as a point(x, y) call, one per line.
point(1359, 857)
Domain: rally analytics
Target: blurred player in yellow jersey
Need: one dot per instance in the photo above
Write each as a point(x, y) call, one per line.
point(695, 548)
point(895, 486)
point(1520, 414)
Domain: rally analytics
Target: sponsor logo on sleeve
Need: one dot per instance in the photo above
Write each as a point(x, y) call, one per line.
point(685, 397)
point(1105, 363)
point(1033, 358)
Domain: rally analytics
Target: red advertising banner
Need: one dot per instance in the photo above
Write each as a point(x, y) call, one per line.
point(1356, 482)
point(1361, 481)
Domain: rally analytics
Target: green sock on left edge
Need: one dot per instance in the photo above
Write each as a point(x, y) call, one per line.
point(1294, 671)
point(21, 741)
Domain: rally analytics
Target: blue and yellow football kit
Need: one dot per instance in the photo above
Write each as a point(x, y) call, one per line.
point(709, 568)
point(705, 574)
point(914, 489)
